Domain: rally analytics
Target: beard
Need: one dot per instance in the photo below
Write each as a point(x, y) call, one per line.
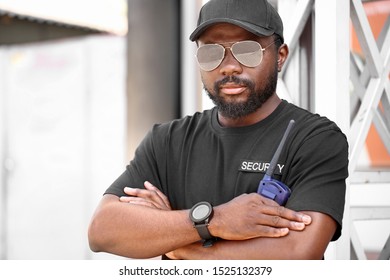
point(256, 98)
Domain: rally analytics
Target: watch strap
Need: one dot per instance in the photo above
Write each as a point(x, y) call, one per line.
point(203, 231)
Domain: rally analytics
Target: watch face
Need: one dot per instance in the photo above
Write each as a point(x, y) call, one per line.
point(201, 212)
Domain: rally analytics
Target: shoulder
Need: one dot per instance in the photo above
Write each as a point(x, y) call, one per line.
point(315, 136)
point(311, 124)
point(180, 127)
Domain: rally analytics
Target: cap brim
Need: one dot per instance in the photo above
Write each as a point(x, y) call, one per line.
point(255, 29)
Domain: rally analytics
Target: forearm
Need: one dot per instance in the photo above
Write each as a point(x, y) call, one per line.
point(253, 249)
point(138, 232)
point(310, 243)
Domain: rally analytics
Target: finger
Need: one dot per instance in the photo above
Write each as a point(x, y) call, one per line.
point(149, 195)
point(272, 232)
point(131, 191)
point(277, 221)
point(171, 255)
point(286, 213)
point(144, 193)
point(162, 196)
point(139, 201)
point(125, 199)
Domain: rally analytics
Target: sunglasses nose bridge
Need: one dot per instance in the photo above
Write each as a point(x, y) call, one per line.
point(229, 55)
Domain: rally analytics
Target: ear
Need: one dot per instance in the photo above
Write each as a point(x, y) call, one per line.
point(282, 56)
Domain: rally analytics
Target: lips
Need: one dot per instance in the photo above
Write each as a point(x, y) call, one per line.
point(232, 89)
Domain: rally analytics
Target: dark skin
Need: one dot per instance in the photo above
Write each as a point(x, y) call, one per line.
point(231, 67)
point(140, 225)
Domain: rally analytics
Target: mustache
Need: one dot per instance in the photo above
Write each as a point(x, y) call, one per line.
point(232, 79)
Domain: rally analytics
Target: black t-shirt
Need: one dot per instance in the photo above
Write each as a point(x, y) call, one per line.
point(195, 159)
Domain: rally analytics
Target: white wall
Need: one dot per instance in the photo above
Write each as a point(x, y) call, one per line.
point(63, 142)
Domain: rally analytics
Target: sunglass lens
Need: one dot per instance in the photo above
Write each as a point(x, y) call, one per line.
point(248, 53)
point(210, 56)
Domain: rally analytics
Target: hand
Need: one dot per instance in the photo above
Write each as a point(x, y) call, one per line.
point(150, 196)
point(252, 215)
point(171, 255)
point(180, 252)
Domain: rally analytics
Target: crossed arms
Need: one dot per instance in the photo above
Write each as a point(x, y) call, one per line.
point(142, 225)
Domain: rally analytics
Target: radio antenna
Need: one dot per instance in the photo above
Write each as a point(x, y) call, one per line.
point(275, 158)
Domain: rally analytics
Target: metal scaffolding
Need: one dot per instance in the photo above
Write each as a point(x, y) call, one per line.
point(369, 106)
point(355, 94)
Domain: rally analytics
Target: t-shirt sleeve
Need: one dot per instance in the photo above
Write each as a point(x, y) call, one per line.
point(142, 168)
point(317, 176)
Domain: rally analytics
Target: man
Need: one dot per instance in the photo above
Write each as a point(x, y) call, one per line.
point(191, 190)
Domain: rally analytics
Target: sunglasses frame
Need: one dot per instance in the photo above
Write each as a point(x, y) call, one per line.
point(261, 49)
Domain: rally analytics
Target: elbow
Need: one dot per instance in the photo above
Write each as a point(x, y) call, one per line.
point(99, 237)
point(100, 229)
point(94, 238)
point(104, 235)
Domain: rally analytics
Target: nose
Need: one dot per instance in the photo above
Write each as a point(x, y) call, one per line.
point(229, 65)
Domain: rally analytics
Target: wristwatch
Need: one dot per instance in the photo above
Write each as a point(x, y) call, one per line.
point(200, 215)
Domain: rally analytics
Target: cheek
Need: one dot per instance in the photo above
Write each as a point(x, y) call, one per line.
point(262, 75)
point(207, 80)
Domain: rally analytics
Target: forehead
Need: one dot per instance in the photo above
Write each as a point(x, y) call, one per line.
point(226, 32)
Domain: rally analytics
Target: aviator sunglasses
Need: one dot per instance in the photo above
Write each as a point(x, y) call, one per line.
point(248, 53)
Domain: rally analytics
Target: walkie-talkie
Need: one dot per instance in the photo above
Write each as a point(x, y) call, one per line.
point(270, 187)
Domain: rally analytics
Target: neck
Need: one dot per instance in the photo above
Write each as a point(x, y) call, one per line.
point(260, 114)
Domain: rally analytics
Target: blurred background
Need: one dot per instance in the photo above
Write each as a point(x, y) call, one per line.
point(82, 81)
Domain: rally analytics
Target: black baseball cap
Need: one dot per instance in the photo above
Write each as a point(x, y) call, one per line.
point(256, 16)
